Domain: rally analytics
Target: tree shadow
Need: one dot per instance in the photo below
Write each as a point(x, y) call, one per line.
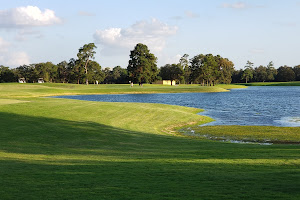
point(46, 158)
point(49, 136)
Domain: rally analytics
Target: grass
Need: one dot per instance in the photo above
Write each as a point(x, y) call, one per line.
point(260, 134)
point(292, 83)
point(16, 90)
point(70, 149)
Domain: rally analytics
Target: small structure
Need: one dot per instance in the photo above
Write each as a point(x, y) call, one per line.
point(41, 80)
point(165, 82)
point(22, 80)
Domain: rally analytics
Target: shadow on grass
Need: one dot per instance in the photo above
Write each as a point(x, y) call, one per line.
point(45, 158)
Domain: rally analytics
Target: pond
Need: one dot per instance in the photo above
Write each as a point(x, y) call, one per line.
point(265, 106)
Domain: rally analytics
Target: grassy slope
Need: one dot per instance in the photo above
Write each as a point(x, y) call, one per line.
point(16, 90)
point(68, 149)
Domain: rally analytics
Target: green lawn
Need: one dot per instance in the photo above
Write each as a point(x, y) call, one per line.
point(70, 149)
point(260, 134)
point(17, 90)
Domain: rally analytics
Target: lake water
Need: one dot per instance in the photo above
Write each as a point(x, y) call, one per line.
point(266, 106)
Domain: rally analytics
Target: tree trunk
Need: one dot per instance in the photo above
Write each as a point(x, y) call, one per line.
point(86, 71)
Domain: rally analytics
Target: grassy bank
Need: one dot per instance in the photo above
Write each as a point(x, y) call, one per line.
point(294, 83)
point(70, 149)
point(260, 134)
point(16, 90)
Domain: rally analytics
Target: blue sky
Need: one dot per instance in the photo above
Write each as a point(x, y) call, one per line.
point(33, 31)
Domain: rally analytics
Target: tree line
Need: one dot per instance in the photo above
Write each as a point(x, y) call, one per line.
point(204, 69)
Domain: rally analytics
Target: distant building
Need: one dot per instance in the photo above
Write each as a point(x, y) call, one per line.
point(165, 82)
point(41, 80)
point(22, 80)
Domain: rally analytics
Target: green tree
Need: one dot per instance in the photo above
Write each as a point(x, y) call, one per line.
point(142, 66)
point(95, 73)
point(77, 72)
point(204, 69)
point(47, 71)
point(211, 69)
point(271, 72)
point(184, 63)
point(248, 72)
point(28, 72)
point(260, 74)
point(119, 75)
point(297, 72)
point(285, 74)
point(197, 75)
point(63, 72)
point(6, 75)
point(237, 76)
point(171, 72)
point(108, 76)
point(226, 68)
point(84, 55)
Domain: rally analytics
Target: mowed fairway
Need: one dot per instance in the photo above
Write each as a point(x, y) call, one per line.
point(70, 149)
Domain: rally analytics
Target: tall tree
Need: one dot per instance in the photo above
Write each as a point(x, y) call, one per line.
point(171, 72)
point(108, 76)
point(142, 66)
point(47, 71)
point(6, 75)
point(196, 69)
point(260, 74)
point(95, 73)
point(248, 72)
point(84, 55)
point(119, 75)
point(297, 72)
point(28, 72)
point(271, 72)
point(285, 74)
point(63, 72)
point(237, 76)
point(226, 68)
point(77, 70)
point(184, 63)
point(204, 69)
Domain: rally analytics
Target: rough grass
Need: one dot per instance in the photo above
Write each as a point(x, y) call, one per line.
point(71, 149)
point(261, 134)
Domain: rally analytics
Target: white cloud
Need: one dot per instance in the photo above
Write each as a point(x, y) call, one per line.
point(153, 34)
point(172, 60)
point(257, 51)
point(85, 14)
point(22, 34)
point(177, 18)
point(190, 14)
point(16, 59)
point(27, 17)
point(238, 5)
point(10, 57)
point(3, 45)
point(241, 6)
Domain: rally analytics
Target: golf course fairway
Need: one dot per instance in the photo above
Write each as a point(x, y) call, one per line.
point(71, 149)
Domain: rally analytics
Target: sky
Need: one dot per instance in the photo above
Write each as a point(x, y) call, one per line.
point(34, 31)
